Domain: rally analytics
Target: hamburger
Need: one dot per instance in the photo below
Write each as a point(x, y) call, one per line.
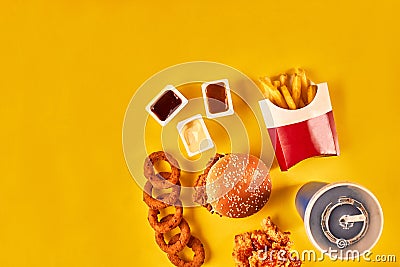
point(233, 185)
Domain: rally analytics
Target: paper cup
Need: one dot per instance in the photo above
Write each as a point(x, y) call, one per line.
point(343, 220)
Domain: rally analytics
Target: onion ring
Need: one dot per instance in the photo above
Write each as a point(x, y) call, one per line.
point(161, 180)
point(183, 239)
point(168, 224)
point(155, 179)
point(196, 246)
point(163, 200)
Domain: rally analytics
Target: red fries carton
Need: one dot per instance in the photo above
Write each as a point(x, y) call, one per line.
point(302, 133)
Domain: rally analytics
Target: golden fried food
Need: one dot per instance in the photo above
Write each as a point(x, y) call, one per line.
point(162, 201)
point(156, 180)
point(301, 103)
point(289, 91)
point(296, 89)
point(196, 246)
point(164, 180)
point(184, 236)
point(272, 93)
point(304, 84)
point(288, 98)
point(266, 247)
point(164, 226)
point(312, 90)
point(283, 78)
point(276, 84)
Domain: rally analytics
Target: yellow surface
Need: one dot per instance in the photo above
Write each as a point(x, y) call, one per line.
point(69, 68)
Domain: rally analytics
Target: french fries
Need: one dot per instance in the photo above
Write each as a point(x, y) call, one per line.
point(289, 100)
point(276, 84)
point(312, 90)
point(296, 88)
point(301, 103)
point(289, 91)
point(283, 78)
point(272, 93)
point(304, 84)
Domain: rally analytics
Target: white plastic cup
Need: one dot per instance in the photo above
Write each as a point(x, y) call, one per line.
point(343, 220)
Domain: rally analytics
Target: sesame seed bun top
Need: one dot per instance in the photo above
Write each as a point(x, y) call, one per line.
point(238, 185)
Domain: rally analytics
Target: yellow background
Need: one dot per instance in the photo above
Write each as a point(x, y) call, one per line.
point(69, 68)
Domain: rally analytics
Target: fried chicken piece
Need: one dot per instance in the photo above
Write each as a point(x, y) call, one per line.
point(267, 247)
